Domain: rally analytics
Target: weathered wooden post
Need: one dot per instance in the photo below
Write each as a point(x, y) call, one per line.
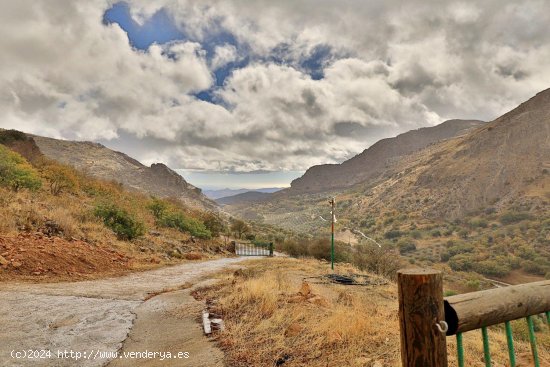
point(420, 311)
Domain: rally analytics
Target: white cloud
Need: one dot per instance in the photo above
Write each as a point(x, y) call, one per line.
point(393, 66)
point(223, 55)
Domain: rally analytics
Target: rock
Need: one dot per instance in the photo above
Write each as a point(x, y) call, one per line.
point(305, 290)
point(319, 301)
point(293, 329)
point(3, 261)
point(16, 264)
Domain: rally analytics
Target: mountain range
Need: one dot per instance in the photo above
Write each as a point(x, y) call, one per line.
point(445, 171)
point(222, 193)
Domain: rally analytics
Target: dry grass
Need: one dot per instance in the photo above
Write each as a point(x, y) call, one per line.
point(66, 222)
point(271, 316)
point(71, 215)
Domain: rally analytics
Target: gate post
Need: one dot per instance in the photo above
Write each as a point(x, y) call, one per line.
point(420, 309)
point(271, 249)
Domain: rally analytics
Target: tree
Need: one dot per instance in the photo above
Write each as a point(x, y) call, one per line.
point(61, 178)
point(214, 222)
point(239, 227)
point(16, 172)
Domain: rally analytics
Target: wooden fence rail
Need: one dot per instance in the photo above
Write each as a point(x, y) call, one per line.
point(426, 318)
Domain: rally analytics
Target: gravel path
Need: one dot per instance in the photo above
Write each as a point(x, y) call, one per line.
point(88, 317)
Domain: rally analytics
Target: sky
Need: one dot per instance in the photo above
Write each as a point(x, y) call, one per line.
point(241, 92)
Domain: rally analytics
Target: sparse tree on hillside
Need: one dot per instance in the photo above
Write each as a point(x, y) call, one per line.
point(239, 227)
point(61, 178)
point(16, 172)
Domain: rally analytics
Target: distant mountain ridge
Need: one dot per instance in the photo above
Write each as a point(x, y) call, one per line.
point(104, 163)
point(222, 193)
point(374, 160)
point(243, 198)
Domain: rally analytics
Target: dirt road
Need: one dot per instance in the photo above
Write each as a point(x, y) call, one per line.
point(86, 323)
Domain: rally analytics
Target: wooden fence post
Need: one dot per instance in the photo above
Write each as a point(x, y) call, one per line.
point(420, 309)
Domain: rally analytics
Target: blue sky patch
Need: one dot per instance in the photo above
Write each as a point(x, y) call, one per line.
point(160, 28)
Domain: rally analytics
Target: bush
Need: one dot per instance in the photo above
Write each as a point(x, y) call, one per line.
point(214, 223)
point(16, 172)
point(184, 224)
point(464, 233)
point(239, 227)
point(120, 221)
point(10, 136)
point(405, 245)
point(538, 267)
point(394, 233)
point(478, 223)
point(492, 268)
point(513, 217)
point(61, 178)
point(416, 234)
point(461, 262)
point(436, 233)
point(157, 207)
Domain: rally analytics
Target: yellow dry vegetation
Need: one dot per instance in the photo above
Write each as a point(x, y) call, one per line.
point(281, 312)
point(64, 205)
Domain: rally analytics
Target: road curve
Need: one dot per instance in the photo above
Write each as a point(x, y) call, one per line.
point(88, 317)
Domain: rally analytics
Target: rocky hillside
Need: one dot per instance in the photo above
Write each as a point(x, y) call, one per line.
point(379, 157)
point(101, 162)
point(504, 163)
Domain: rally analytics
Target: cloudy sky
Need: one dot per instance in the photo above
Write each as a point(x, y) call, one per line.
point(240, 86)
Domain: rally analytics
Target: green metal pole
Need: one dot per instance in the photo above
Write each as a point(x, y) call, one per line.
point(332, 238)
point(460, 350)
point(510, 340)
point(533, 340)
point(486, 351)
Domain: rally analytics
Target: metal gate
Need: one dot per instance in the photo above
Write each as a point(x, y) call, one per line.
point(254, 249)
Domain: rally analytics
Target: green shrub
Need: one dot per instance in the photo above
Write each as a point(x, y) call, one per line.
point(125, 225)
point(157, 207)
point(214, 223)
point(16, 172)
point(492, 268)
point(184, 224)
point(394, 233)
point(436, 233)
point(513, 217)
point(10, 136)
point(478, 223)
point(464, 233)
point(416, 234)
point(461, 262)
point(405, 245)
point(539, 266)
